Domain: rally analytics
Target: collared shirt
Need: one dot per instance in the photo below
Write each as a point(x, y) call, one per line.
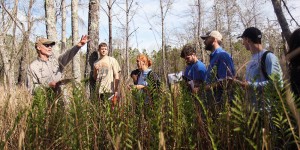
point(186, 72)
point(197, 71)
point(222, 61)
point(42, 72)
point(254, 74)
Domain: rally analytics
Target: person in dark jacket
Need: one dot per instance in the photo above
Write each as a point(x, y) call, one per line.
point(293, 57)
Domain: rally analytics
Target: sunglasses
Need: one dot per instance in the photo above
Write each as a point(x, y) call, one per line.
point(48, 45)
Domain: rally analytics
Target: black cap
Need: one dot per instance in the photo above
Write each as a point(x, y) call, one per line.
point(253, 34)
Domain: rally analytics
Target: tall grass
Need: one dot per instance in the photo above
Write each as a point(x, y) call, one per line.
point(174, 119)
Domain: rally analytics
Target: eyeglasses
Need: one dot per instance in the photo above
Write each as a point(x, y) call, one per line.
point(48, 45)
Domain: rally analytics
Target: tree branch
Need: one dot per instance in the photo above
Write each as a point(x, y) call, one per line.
point(284, 4)
point(14, 19)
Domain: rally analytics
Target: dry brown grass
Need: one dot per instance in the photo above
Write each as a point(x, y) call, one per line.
point(11, 105)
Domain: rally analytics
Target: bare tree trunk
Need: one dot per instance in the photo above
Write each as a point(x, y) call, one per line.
point(25, 47)
point(217, 15)
point(109, 5)
point(91, 55)
point(24, 60)
point(14, 45)
point(199, 29)
point(127, 9)
point(76, 59)
point(281, 19)
point(230, 14)
point(163, 45)
point(51, 24)
point(6, 56)
point(63, 26)
point(7, 75)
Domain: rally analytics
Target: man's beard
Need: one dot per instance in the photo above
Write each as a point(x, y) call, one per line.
point(209, 47)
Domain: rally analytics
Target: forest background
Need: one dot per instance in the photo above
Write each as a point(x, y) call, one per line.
point(159, 29)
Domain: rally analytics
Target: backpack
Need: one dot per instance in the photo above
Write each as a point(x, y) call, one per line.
point(263, 64)
point(153, 79)
point(154, 84)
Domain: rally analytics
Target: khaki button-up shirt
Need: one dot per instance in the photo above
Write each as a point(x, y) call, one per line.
point(41, 73)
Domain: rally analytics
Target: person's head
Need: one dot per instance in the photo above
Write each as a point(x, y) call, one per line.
point(251, 36)
point(143, 62)
point(43, 47)
point(102, 49)
point(212, 40)
point(294, 41)
point(134, 75)
point(188, 53)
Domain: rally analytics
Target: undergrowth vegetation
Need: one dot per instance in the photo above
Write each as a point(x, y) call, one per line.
point(174, 119)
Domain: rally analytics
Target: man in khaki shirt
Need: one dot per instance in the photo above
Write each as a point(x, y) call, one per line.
point(46, 71)
point(106, 73)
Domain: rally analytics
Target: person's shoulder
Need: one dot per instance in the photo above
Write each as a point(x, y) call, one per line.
point(112, 58)
point(97, 61)
point(271, 56)
point(34, 63)
point(224, 52)
point(224, 55)
point(200, 64)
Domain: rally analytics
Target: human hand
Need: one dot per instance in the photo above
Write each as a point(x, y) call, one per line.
point(244, 83)
point(84, 39)
point(130, 87)
point(208, 87)
point(115, 100)
point(195, 90)
point(52, 84)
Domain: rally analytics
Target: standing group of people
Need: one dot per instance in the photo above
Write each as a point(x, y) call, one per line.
point(47, 71)
point(221, 73)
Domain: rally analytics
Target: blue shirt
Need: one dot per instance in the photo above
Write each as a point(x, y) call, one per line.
point(197, 71)
point(142, 80)
point(254, 75)
point(224, 66)
point(186, 72)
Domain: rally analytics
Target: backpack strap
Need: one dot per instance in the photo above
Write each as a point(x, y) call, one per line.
point(263, 64)
point(153, 77)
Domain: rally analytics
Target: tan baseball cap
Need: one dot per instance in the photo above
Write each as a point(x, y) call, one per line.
point(215, 34)
point(42, 41)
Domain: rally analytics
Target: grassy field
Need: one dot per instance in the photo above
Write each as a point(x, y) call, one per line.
point(173, 120)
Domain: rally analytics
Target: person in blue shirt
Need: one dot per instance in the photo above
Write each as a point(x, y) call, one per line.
point(254, 73)
point(148, 81)
point(221, 65)
point(196, 70)
point(256, 79)
point(185, 75)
